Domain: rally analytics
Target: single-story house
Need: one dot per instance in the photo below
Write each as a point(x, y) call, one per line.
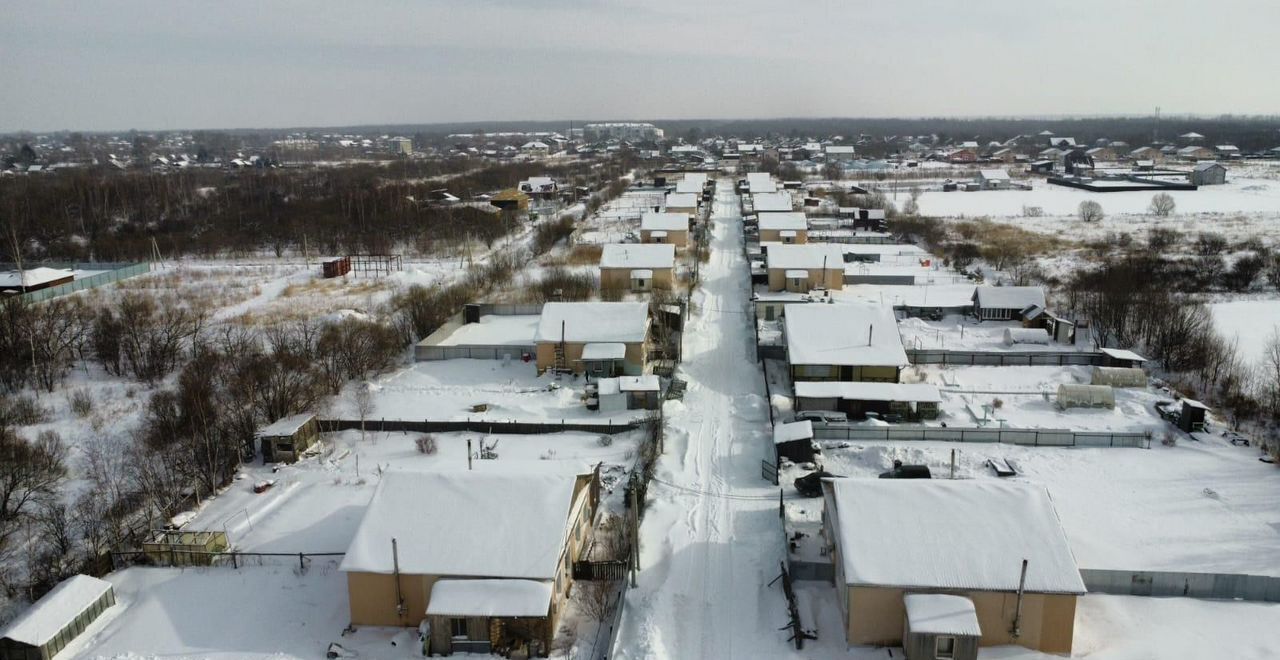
point(1195, 152)
point(838, 153)
point(686, 203)
point(535, 148)
point(1005, 303)
point(997, 544)
point(804, 268)
point(600, 338)
point(993, 179)
point(792, 227)
point(637, 266)
point(845, 342)
point(1228, 150)
point(284, 440)
point(1100, 154)
point(760, 182)
point(686, 186)
point(1119, 357)
point(668, 227)
point(1147, 153)
point(539, 187)
point(1209, 174)
point(486, 557)
point(52, 622)
point(772, 201)
point(908, 401)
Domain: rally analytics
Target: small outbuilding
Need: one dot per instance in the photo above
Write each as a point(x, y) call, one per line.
point(1119, 357)
point(1085, 396)
point(794, 441)
point(45, 628)
point(1192, 417)
point(1005, 303)
point(1209, 174)
point(940, 626)
point(284, 440)
point(34, 279)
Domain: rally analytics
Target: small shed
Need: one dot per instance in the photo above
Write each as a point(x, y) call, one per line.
point(1119, 377)
point(1192, 417)
point(286, 439)
point(940, 626)
point(1209, 174)
point(1085, 396)
point(337, 267)
point(794, 440)
point(59, 617)
point(642, 392)
point(1119, 357)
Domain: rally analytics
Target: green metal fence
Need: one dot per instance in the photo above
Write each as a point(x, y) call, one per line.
point(114, 273)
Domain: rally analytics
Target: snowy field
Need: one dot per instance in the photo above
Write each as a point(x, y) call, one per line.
point(1249, 323)
point(1240, 209)
point(453, 389)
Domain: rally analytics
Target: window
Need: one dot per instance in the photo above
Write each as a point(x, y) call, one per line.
point(458, 628)
point(944, 647)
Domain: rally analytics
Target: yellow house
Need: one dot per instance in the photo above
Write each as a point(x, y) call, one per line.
point(892, 539)
point(670, 228)
point(789, 227)
point(804, 268)
point(600, 338)
point(850, 342)
point(485, 558)
point(637, 267)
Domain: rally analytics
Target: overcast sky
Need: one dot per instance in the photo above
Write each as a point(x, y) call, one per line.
point(94, 64)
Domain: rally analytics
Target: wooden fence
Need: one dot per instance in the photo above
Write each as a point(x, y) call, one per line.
point(1023, 437)
point(476, 426)
point(1005, 358)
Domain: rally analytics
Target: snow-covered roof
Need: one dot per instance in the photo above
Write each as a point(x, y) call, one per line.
point(687, 186)
point(1187, 151)
point(788, 431)
point(664, 221)
point(626, 322)
point(1204, 167)
point(641, 274)
point(286, 426)
point(792, 220)
point(49, 615)
point(941, 614)
point(681, 200)
point(772, 201)
point(795, 274)
point(638, 255)
point(33, 276)
point(868, 391)
point(490, 598)
point(847, 334)
point(645, 383)
point(606, 350)
point(1009, 297)
point(1121, 354)
point(472, 523)
point(942, 534)
point(1191, 136)
point(760, 182)
point(994, 175)
point(807, 256)
point(839, 149)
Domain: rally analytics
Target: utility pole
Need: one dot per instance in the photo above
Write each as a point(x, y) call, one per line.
point(635, 533)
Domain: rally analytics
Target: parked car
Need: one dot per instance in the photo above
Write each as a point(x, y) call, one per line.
point(825, 416)
point(1235, 438)
point(810, 485)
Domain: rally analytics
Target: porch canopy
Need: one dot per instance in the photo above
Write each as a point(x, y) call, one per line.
point(599, 351)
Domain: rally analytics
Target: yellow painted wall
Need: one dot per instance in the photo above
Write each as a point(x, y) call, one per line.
point(676, 237)
point(877, 616)
point(573, 355)
point(835, 278)
point(766, 235)
point(620, 278)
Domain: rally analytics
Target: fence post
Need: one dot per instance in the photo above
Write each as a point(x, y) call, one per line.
point(302, 567)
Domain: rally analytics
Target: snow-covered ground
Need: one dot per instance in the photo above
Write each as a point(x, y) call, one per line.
point(710, 542)
point(454, 389)
point(1250, 324)
point(965, 333)
point(1242, 208)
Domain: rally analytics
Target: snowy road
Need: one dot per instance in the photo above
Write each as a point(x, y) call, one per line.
point(712, 539)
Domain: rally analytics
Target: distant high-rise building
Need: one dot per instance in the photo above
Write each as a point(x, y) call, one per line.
point(634, 131)
point(401, 145)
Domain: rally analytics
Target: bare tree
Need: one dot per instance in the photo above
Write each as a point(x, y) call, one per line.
point(1090, 211)
point(29, 473)
point(1163, 205)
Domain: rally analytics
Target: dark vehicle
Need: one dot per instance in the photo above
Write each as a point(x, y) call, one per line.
point(901, 471)
point(810, 485)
